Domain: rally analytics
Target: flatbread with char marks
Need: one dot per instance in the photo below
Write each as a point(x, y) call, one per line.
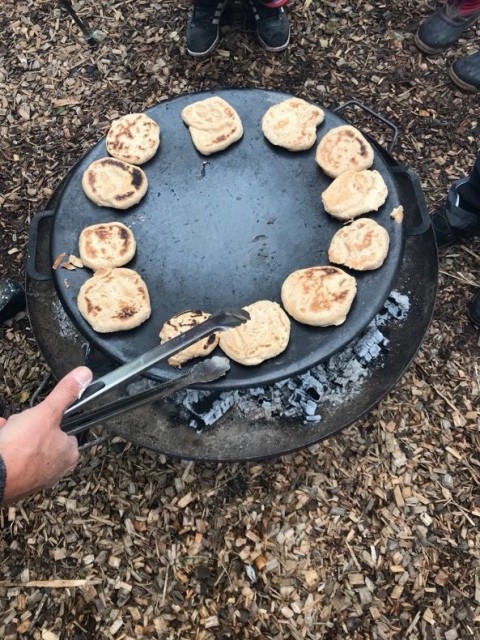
point(319, 296)
point(355, 193)
point(214, 125)
point(181, 323)
point(264, 336)
point(362, 245)
point(133, 138)
point(114, 183)
point(114, 300)
point(106, 245)
point(292, 124)
point(343, 149)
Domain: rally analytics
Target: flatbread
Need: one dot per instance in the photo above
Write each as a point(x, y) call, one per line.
point(292, 124)
point(133, 138)
point(214, 125)
point(355, 193)
point(262, 337)
point(114, 300)
point(343, 149)
point(106, 245)
point(319, 296)
point(181, 323)
point(362, 245)
point(114, 183)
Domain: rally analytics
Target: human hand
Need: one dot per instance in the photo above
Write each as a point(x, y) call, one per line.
point(36, 452)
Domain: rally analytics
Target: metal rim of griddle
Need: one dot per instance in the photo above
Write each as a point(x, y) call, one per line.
point(260, 270)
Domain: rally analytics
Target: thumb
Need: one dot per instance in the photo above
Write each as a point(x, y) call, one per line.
point(69, 389)
point(3, 422)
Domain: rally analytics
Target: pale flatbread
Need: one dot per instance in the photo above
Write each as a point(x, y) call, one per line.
point(181, 323)
point(343, 149)
point(114, 183)
point(319, 296)
point(114, 300)
point(355, 193)
point(106, 245)
point(264, 336)
point(292, 124)
point(133, 138)
point(361, 245)
point(214, 125)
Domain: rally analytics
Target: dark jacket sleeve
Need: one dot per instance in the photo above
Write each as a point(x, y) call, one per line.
point(3, 478)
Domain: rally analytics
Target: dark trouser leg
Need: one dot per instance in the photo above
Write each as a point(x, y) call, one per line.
point(444, 27)
point(470, 191)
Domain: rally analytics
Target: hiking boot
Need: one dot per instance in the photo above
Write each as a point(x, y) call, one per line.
point(474, 309)
point(453, 222)
point(271, 23)
point(465, 72)
point(444, 27)
point(203, 29)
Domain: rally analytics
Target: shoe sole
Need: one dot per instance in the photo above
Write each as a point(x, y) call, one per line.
point(196, 54)
point(425, 48)
point(461, 83)
point(282, 47)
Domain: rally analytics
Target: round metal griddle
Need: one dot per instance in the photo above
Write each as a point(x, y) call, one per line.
point(223, 231)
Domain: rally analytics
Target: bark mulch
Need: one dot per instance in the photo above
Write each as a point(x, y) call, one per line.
point(373, 534)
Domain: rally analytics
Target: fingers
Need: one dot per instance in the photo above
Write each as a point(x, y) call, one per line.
point(2, 422)
point(68, 390)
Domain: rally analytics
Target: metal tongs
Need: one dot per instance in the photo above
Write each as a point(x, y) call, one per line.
point(205, 371)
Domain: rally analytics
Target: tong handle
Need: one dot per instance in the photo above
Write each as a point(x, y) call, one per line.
point(225, 320)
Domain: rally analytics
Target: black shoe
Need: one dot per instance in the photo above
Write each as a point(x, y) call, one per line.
point(443, 28)
point(12, 298)
point(465, 72)
point(273, 29)
point(453, 222)
point(473, 309)
point(203, 29)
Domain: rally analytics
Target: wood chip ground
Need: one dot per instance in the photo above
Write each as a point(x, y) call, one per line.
point(371, 535)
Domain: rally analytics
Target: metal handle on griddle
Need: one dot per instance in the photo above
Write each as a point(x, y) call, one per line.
point(32, 270)
point(374, 114)
point(413, 199)
point(219, 322)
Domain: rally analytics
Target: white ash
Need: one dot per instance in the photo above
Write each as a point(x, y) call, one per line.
point(67, 330)
point(333, 381)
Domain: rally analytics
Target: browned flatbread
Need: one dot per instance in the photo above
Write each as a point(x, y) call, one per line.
point(343, 149)
point(262, 337)
point(106, 245)
point(114, 300)
point(214, 125)
point(319, 296)
point(355, 193)
point(181, 323)
point(114, 183)
point(292, 124)
point(361, 245)
point(133, 138)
